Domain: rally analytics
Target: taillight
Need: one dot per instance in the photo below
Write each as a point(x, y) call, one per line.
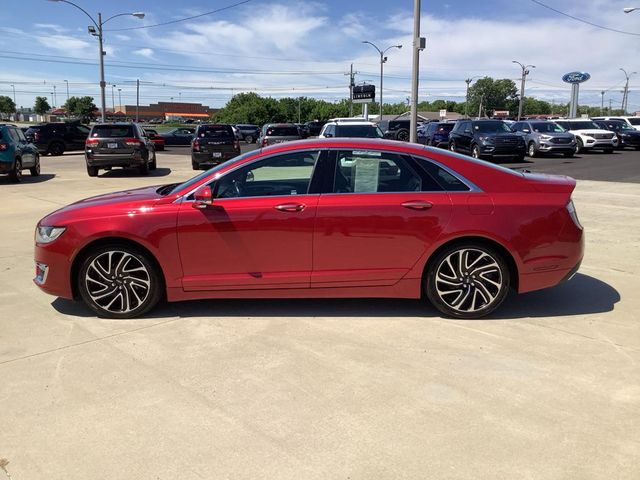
point(132, 142)
point(91, 142)
point(3, 147)
point(196, 145)
point(236, 144)
point(36, 136)
point(572, 213)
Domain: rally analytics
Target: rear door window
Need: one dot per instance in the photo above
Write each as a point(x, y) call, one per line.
point(112, 131)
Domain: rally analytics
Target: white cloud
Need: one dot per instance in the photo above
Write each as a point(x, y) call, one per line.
point(144, 52)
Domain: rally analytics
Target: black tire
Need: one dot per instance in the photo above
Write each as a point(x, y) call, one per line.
point(579, 145)
point(92, 171)
point(103, 277)
point(35, 170)
point(568, 154)
point(452, 147)
point(531, 150)
point(56, 149)
point(483, 285)
point(608, 150)
point(144, 167)
point(15, 175)
point(154, 163)
point(195, 165)
point(248, 138)
point(403, 135)
point(475, 151)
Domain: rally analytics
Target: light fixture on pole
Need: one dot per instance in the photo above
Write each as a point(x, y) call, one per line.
point(383, 60)
point(525, 72)
point(97, 31)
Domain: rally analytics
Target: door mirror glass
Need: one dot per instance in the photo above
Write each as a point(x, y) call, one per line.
point(328, 135)
point(203, 197)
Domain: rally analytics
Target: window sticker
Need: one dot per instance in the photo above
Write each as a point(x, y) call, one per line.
point(366, 174)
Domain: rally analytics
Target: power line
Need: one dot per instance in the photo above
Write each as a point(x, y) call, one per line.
point(583, 20)
point(237, 4)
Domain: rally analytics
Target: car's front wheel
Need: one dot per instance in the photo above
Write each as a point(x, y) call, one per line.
point(579, 145)
point(15, 175)
point(403, 135)
point(452, 147)
point(532, 150)
point(475, 151)
point(248, 139)
point(56, 149)
point(467, 280)
point(117, 281)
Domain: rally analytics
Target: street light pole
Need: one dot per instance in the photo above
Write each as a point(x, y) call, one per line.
point(99, 33)
point(625, 96)
point(466, 104)
point(67, 82)
point(418, 45)
point(113, 99)
point(120, 99)
point(630, 9)
point(525, 72)
point(383, 60)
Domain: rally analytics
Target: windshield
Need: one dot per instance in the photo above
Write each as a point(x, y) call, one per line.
point(491, 127)
point(547, 127)
point(197, 178)
point(360, 131)
point(634, 121)
point(583, 125)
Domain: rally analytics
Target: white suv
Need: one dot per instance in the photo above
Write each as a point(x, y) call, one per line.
point(589, 136)
point(340, 127)
point(633, 122)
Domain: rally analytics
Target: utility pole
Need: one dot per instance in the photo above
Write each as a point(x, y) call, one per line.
point(54, 95)
point(525, 72)
point(67, 82)
point(352, 83)
point(480, 108)
point(299, 100)
point(625, 97)
point(602, 103)
point(466, 104)
point(418, 44)
point(610, 111)
point(14, 102)
point(137, 99)
point(120, 99)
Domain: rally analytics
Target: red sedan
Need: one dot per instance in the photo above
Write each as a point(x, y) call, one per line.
point(318, 218)
point(158, 140)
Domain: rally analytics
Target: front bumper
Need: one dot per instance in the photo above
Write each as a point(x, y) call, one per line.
point(53, 270)
point(493, 151)
point(545, 147)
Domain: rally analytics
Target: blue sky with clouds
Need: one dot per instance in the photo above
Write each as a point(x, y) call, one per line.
point(291, 48)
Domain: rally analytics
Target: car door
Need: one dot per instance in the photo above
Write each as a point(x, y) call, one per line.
point(258, 233)
point(466, 137)
point(382, 215)
point(79, 134)
point(22, 146)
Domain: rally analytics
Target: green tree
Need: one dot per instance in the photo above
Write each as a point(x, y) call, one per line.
point(7, 106)
point(494, 94)
point(80, 107)
point(41, 106)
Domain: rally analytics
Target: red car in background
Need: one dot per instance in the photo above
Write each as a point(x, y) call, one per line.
point(157, 140)
point(318, 218)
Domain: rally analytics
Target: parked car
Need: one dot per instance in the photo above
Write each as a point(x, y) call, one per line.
point(295, 220)
point(435, 134)
point(489, 139)
point(156, 121)
point(158, 140)
point(248, 133)
point(212, 145)
point(273, 133)
point(350, 128)
point(633, 122)
point(303, 129)
point(627, 135)
point(179, 136)
point(57, 138)
point(17, 153)
point(398, 130)
point(545, 136)
point(119, 145)
point(589, 136)
point(315, 126)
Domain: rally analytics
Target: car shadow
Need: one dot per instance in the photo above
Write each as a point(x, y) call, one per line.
point(580, 296)
point(27, 179)
point(133, 172)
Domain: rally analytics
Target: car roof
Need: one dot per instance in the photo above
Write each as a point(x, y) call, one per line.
point(356, 123)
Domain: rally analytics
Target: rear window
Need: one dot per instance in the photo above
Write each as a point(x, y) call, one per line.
point(112, 131)
point(634, 121)
point(215, 131)
point(445, 127)
point(360, 131)
point(282, 132)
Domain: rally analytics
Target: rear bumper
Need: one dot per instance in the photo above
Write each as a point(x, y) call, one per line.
point(114, 159)
point(207, 159)
point(6, 167)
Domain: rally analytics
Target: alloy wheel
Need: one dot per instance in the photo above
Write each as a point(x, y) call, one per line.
point(475, 153)
point(532, 150)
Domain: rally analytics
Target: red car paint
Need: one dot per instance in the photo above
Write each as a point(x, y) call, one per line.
point(339, 245)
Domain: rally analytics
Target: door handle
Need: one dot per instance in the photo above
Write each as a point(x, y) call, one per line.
point(290, 207)
point(417, 205)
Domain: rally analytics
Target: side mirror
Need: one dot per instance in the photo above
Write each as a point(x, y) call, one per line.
point(328, 135)
point(203, 197)
point(526, 130)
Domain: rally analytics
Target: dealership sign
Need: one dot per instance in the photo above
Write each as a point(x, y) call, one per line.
point(364, 93)
point(576, 77)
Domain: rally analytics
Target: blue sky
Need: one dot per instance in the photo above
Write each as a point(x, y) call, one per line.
point(291, 48)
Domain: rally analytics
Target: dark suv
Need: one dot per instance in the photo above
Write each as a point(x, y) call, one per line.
point(212, 145)
point(435, 134)
point(57, 138)
point(119, 145)
point(398, 130)
point(248, 133)
point(486, 139)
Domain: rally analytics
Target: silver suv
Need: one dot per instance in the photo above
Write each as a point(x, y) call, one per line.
point(543, 136)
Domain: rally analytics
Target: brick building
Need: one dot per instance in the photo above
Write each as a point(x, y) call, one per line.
point(168, 111)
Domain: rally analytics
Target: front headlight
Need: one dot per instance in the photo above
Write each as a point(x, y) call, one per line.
point(48, 234)
point(486, 139)
point(545, 137)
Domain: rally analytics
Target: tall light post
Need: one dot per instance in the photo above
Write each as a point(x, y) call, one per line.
point(625, 96)
point(67, 82)
point(466, 104)
point(525, 72)
point(55, 100)
point(383, 60)
point(99, 33)
point(601, 103)
point(120, 99)
point(113, 99)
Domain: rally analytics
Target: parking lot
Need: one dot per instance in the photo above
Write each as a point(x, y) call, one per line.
point(303, 389)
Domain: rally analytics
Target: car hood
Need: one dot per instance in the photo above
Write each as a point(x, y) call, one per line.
point(589, 132)
point(111, 204)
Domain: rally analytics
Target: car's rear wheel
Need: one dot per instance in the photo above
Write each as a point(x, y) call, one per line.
point(15, 175)
point(195, 165)
point(532, 149)
point(452, 147)
point(467, 280)
point(154, 164)
point(248, 138)
point(117, 281)
point(403, 135)
point(56, 149)
point(92, 171)
point(475, 151)
point(144, 167)
point(35, 170)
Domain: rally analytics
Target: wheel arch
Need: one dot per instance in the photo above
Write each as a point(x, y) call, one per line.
point(478, 240)
point(101, 242)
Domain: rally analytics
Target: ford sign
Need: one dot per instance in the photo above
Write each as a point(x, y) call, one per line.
point(576, 77)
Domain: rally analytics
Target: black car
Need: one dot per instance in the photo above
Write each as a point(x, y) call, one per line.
point(212, 145)
point(314, 127)
point(435, 134)
point(303, 129)
point(248, 133)
point(627, 135)
point(398, 130)
point(57, 138)
point(179, 136)
point(119, 145)
point(486, 139)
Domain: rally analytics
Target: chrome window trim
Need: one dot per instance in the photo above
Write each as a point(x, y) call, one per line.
point(473, 188)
